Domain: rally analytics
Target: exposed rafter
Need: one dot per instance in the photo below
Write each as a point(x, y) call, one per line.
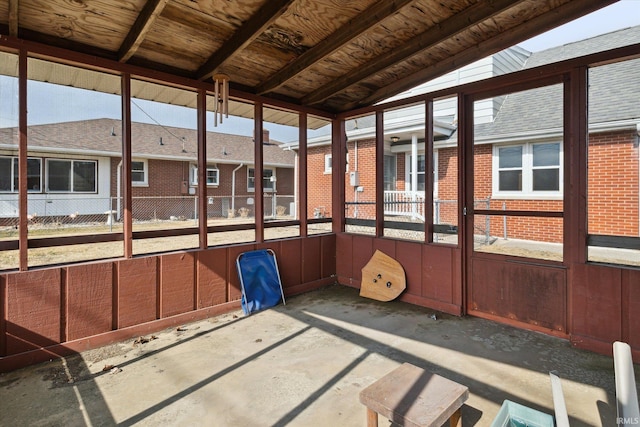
point(569, 11)
point(448, 28)
point(348, 32)
point(152, 9)
point(13, 17)
point(250, 30)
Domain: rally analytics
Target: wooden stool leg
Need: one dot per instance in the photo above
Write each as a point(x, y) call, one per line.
point(372, 418)
point(456, 419)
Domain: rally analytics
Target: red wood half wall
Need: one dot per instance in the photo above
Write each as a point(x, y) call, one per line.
point(61, 310)
point(433, 272)
point(604, 305)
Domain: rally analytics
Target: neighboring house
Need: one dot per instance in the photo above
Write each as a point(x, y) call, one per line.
point(518, 162)
point(74, 168)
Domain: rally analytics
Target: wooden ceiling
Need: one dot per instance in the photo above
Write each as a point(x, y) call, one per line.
point(333, 55)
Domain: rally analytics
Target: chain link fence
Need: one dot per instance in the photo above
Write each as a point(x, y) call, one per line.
point(81, 212)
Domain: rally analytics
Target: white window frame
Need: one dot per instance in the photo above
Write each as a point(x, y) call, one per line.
point(13, 171)
point(71, 190)
point(328, 163)
point(252, 188)
point(407, 171)
point(145, 171)
point(193, 176)
point(527, 174)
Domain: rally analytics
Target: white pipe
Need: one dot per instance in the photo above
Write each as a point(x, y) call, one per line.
point(355, 169)
point(559, 406)
point(118, 179)
point(233, 186)
point(626, 392)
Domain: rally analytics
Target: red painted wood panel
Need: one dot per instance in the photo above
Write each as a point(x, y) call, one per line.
point(33, 310)
point(328, 248)
point(289, 262)
point(234, 288)
point(137, 291)
point(89, 300)
point(311, 259)
point(387, 246)
point(3, 323)
point(177, 283)
point(529, 293)
point(631, 327)
point(362, 253)
point(456, 273)
point(596, 302)
point(212, 277)
point(344, 254)
point(409, 254)
point(490, 292)
point(438, 276)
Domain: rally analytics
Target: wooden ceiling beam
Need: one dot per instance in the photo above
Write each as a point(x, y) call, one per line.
point(150, 12)
point(545, 22)
point(248, 32)
point(13, 17)
point(461, 21)
point(350, 30)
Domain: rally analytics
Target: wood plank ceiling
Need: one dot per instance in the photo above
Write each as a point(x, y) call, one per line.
point(333, 55)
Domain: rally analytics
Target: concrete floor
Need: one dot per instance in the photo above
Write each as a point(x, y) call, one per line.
point(304, 364)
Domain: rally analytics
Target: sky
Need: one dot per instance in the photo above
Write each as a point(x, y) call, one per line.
point(623, 14)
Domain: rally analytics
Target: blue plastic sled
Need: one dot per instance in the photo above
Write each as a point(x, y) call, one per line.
point(260, 280)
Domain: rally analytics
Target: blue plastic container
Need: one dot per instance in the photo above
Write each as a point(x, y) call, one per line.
point(513, 414)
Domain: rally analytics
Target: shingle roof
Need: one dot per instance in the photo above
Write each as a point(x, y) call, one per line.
point(103, 136)
point(614, 90)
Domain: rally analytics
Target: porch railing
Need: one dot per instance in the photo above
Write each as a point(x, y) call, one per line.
point(404, 203)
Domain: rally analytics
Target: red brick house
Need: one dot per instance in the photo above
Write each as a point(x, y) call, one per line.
point(75, 169)
point(518, 161)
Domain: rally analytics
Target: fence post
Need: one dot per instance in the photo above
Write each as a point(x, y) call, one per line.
point(110, 214)
point(195, 210)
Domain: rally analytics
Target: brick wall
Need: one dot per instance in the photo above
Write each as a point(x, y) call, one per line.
point(447, 196)
point(613, 184)
point(366, 168)
point(319, 183)
point(319, 189)
point(613, 202)
point(165, 180)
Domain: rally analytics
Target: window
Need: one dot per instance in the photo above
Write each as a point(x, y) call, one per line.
point(71, 176)
point(9, 174)
point(267, 183)
point(528, 169)
point(421, 169)
point(327, 163)
point(213, 175)
point(139, 172)
point(389, 172)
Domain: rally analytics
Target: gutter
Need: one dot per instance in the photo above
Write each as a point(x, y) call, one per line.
point(233, 186)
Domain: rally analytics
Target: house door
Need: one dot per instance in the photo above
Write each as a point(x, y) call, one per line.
point(514, 207)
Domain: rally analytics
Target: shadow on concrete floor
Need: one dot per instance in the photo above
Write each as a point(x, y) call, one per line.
point(304, 364)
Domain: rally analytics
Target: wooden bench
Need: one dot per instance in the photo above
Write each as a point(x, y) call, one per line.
point(410, 396)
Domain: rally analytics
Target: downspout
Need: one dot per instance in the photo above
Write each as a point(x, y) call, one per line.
point(233, 186)
point(118, 190)
point(355, 169)
point(296, 184)
point(637, 146)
